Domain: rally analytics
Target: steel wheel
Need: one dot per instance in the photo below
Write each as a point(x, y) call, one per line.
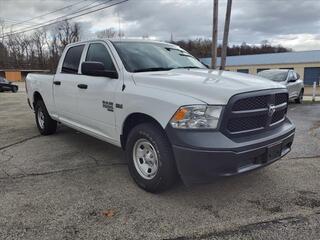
point(145, 159)
point(300, 97)
point(40, 117)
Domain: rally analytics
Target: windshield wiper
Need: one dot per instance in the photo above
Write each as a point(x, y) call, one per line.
point(189, 67)
point(186, 55)
point(152, 69)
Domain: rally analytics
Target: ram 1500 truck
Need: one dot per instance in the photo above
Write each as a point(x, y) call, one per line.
point(171, 114)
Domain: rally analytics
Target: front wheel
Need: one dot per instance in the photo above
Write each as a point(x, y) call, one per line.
point(300, 97)
point(45, 123)
point(150, 158)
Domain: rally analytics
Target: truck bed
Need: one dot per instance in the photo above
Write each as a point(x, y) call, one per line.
point(40, 83)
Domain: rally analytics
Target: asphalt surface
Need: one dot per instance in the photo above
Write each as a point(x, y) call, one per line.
point(72, 186)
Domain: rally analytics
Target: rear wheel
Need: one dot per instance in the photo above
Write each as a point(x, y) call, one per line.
point(45, 123)
point(150, 158)
point(300, 97)
point(14, 89)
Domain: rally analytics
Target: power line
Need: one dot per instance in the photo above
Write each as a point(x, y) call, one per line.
point(46, 14)
point(12, 21)
point(89, 5)
point(66, 19)
point(59, 19)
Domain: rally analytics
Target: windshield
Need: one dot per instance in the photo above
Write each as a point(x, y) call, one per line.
point(143, 57)
point(3, 80)
point(277, 76)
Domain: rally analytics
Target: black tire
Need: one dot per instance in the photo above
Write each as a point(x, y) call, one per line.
point(49, 125)
point(14, 89)
point(166, 174)
point(300, 97)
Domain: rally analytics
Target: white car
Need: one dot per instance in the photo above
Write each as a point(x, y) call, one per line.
point(171, 115)
point(288, 78)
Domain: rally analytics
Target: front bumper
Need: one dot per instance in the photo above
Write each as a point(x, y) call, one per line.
point(203, 155)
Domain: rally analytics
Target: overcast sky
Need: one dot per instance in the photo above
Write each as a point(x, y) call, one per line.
point(292, 23)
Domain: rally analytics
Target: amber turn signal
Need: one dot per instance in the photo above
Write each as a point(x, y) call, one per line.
point(180, 114)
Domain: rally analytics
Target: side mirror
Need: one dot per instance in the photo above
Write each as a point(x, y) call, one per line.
point(292, 80)
point(97, 69)
point(205, 64)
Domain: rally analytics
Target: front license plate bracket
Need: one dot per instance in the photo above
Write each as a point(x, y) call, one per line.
point(274, 151)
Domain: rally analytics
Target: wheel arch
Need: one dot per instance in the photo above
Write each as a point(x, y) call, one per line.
point(36, 97)
point(133, 120)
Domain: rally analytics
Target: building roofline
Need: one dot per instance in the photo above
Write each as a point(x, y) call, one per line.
point(267, 64)
point(281, 58)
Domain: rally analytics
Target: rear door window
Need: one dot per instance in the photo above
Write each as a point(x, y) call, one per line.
point(72, 60)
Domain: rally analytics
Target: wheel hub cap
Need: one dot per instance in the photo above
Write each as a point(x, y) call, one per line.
point(145, 159)
point(41, 118)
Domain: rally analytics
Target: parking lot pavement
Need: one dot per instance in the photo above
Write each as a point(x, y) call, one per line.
point(72, 186)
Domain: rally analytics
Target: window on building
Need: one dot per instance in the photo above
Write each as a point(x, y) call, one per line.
point(311, 75)
point(243, 70)
point(262, 69)
point(72, 60)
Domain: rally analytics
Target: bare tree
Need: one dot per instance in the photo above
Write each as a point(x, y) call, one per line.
point(38, 39)
point(41, 49)
point(3, 48)
point(109, 33)
point(67, 33)
point(15, 50)
point(2, 27)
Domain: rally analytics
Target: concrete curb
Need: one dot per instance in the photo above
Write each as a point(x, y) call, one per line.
point(309, 98)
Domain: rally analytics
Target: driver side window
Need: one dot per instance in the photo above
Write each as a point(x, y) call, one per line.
point(295, 75)
point(290, 76)
point(97, 52)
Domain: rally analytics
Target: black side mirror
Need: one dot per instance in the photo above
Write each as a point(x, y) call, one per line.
point(97, 69)
point(206, 65)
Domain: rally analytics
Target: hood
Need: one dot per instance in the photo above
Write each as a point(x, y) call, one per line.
point(209, 86)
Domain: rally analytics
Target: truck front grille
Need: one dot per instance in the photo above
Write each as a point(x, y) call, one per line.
point(250, 103)
point(255, 111)
point(246, 123)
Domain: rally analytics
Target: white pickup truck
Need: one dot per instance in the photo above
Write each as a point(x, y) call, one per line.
point(171, 115)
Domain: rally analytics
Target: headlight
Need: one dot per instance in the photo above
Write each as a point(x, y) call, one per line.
point(196, 117)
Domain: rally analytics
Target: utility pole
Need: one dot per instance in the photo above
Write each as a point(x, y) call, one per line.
point(119, 26)
point(225, 36)
point(214, 35)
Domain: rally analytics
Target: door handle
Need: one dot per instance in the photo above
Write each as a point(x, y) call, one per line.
point(83, 86)
point(57, 83)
